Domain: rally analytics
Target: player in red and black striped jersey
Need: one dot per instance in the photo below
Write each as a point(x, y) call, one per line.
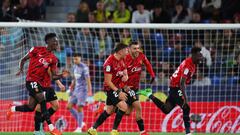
point(41, 59)
point(115, 77)
point(178, 81)
point(135, 61)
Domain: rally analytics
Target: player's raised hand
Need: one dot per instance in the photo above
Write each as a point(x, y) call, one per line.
point(19, 72)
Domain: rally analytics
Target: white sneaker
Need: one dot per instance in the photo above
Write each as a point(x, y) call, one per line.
point(189, 134)
point(83, 124)
point(78, 130)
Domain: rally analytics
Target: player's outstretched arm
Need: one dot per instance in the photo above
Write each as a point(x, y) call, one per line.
point(21, 64)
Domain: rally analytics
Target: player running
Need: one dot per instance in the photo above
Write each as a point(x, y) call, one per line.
point(81, 86)
point(178, 81)
point(41, 58)
point(134, 61)
point(115, 75)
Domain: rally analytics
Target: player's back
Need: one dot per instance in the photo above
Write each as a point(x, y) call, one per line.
point(185, 69)
point(40, 60)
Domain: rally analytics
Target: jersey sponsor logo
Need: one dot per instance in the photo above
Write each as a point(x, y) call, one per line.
point(135, 69)
point(120, 73)
point(108, 68)
point(44, 62)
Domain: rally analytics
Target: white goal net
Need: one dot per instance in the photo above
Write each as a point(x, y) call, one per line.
point(213, 93)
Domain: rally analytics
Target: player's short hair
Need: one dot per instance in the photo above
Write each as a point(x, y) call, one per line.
point(119, 47)
point(133, 43)
point(49, 35)
point(76, 55)
point(195, 50)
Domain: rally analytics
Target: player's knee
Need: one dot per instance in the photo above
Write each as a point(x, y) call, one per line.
point(123, 106)
point(80, 109)
point(186, 109)
point(69, 106)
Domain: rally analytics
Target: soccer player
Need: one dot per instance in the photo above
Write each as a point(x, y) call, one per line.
point(51, 97)
point(178, 81)
point(81, 86)
point(115, 77)
point(134, 61)
point(41, 58)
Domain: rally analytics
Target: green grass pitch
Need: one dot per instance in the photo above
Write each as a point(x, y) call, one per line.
point(31, 133)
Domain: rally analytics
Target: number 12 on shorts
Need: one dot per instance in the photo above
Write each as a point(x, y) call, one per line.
point(34, 85)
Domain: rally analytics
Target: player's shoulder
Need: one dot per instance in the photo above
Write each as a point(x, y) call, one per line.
point(109, 60)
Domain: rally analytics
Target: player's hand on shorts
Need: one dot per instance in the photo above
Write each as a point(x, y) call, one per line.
point(65, 73)
point(122, 96)
point(19, 72)
point(127, 88)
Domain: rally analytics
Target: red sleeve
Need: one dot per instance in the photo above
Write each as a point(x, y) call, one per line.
point(107, 68)
point(32, 52)
point(54, 65)
point(148, 66)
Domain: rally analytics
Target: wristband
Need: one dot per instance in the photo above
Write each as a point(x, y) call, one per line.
point(118, 91)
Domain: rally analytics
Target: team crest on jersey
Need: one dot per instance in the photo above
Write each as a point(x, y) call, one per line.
point(108, 68)
point(135, 69)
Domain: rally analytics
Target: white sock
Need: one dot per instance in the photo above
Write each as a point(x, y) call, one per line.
point(13, 109)
point(51, 127)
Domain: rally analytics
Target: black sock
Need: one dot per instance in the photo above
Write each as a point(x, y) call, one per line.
point(186, 118)
point(45, 113)
point(159, 104)
point(51, 111)
point(24, 108)
point(118, 119)
point(140, 125)
point(38, 120)
point(101, 119)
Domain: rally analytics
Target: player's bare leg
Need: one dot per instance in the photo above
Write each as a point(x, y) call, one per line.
point(29, 107)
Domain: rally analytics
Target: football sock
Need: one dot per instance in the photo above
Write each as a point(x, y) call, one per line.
point(118, 119)
point(80, 119)
point(101, 119)
point(38, 120)
point(140, 125)
point(23, 108)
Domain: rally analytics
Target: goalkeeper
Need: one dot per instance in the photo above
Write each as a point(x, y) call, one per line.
point(177, 95)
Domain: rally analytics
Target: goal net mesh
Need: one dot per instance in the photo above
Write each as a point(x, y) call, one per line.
point(213, 93)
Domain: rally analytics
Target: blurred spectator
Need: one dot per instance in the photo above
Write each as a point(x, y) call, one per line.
point(91, 4)
point(229, 8)
point(141, 15)
point(210, 7)
point(91, 17)
point(121, 15)
point(143, 77)
point(196, 17)
point(103, 44)
point(236, 18)
point(85, 43)
point(101, 14)
point(159, 15)
point(62, 56)
point(34, 11)
point(162, 78)
point(21, 10)
point(180, 15)
point(111, 5)
point(205, 52)
point(125, 37)
point(201, 80)
point(82, 12)
point(226, 42)
point(236, 67)
point(6, 12)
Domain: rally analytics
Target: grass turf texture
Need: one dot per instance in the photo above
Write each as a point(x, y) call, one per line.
point(102, 133)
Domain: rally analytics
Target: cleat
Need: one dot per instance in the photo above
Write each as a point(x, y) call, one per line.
point(114, 132)
point(145, 92)
point(189, 134)
point(144, 133)
point(55, 132)
point(9, 112)
point(78, 130)
point(92, 131)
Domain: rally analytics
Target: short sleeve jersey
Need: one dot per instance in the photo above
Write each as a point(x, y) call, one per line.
point(40, 60)
point(114, 67)
point(186, 70)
